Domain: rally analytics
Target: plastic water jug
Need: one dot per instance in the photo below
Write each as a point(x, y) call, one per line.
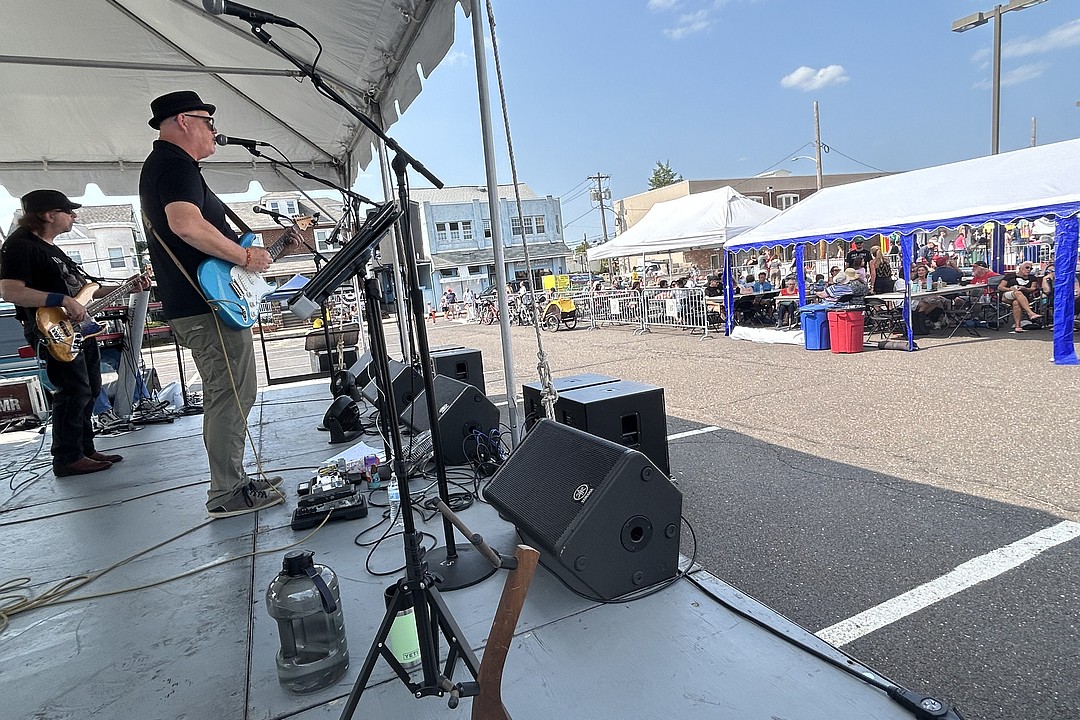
point(304, 600)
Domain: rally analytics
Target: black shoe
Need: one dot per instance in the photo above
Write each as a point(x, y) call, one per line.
point(82, 466)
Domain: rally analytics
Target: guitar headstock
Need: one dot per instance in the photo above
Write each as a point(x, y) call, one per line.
point(303, 222)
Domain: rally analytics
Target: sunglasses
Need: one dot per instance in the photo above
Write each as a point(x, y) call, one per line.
point(209, 120)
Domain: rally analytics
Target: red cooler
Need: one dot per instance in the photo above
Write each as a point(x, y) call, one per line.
point(846, 331)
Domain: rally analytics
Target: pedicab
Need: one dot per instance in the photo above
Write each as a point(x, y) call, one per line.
point(559, 311)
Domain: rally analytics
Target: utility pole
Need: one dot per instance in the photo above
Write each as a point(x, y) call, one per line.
point(817, 143)
point(1033, 131)
point(599, 195)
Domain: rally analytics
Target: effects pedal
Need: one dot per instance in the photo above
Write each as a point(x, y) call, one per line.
point(330, 492)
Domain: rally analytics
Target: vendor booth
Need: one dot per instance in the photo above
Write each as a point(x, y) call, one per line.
point(1028, 184)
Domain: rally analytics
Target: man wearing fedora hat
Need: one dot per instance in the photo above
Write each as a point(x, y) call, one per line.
point(35, 273)
point(187, 225)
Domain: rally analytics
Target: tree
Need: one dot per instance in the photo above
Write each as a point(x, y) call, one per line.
point(663, 175)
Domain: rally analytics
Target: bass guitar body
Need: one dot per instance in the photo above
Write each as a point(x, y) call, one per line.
point(63, 338)
point(233, 292)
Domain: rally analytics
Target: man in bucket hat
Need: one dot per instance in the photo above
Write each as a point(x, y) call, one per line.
point(187, 225)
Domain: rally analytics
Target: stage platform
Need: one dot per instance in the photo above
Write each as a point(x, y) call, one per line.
point(202, 647)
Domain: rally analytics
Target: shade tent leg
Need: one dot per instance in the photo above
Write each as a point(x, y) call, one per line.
point(729, 294)
point(800, 273)
point(907, 252)
point(1065, 242)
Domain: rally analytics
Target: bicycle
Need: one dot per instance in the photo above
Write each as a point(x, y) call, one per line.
point(488, 313)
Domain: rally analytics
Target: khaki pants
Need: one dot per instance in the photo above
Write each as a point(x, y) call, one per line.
point(225, 409)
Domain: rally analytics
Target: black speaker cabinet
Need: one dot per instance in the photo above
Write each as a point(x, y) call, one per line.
point(362, 370)
point(604, 518)
point(461, 363)
point(530, 392)
point(463, 409)
point(406, 383)
point(626, 412)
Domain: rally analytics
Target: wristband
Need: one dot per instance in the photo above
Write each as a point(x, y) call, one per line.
point(247, 257)
point(54, 300)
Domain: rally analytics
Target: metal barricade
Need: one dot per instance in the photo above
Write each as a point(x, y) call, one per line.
point(678, 308)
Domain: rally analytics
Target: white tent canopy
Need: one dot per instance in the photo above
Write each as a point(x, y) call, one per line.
point(1023, 183)
point(77, 79)
point(701, 220)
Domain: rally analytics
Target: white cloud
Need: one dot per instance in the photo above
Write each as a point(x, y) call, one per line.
point(689, 24)
point(1061, 37)
point(662, 4)
point(807, 79)
point(1017, 76)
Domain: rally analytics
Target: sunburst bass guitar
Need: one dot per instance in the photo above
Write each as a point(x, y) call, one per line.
point(63, 338)
point(235, 293)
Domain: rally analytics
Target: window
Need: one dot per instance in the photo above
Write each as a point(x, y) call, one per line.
point(476, 269)
point(787, 200)
point(75, 255)
point(539, 222)
point(487, 229)
point(116, 258)
point(285, 207)
point(320, 240)
point(515, 226)
point(450, 273)
point(757, 198)
point(453, 231)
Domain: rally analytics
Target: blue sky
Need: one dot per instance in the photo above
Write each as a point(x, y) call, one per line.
point(725, 88)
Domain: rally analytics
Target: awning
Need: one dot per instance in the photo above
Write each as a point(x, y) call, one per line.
point(514, 253)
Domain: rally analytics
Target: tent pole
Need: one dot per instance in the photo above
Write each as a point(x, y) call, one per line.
point(1065, 242)
point(480, 56)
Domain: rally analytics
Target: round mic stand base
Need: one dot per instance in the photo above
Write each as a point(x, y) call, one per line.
point(468, 568)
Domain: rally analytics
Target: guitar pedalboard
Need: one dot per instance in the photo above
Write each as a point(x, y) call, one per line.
point(330, 492)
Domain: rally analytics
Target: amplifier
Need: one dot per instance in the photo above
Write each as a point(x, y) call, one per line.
point(22, 398)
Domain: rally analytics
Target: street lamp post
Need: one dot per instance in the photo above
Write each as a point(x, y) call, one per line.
point(981, 18)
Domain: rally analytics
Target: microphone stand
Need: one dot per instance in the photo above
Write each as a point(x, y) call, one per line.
point(419, 586)
point(458, 567)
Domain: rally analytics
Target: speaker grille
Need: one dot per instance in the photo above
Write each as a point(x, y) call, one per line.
point(550, 505)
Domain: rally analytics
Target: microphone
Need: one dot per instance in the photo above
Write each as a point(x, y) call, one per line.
point(251, 15)
point(224, 140)
point(272, 213)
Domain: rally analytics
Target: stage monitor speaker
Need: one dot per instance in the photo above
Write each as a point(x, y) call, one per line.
point(604, 518)
point(362, 370)
point(530, 392)
point(626, 412)
point(461, 363)
point(405, 383)
point(463, 410)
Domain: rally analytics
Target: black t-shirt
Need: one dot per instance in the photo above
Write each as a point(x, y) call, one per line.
point(169, 174)
point(849, 259)
point(711, 291)
point(1012, 280)
point(41, 265)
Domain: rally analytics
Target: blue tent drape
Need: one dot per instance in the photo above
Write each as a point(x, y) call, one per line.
point(729, 295)
point(907, 252)
point(1065, 242)
point(800, 272)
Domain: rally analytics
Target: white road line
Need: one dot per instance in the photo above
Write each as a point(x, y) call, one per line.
point(689, 433)
point(970, 573)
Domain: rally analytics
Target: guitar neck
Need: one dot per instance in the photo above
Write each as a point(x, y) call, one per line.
point(301, 224)
point(119, 292)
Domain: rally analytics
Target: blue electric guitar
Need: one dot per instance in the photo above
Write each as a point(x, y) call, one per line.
point(235, 293)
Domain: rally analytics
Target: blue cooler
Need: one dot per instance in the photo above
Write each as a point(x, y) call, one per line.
point(815, 326)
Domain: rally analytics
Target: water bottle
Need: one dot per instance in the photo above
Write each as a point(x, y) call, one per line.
point(393, 493)
point(304, 601)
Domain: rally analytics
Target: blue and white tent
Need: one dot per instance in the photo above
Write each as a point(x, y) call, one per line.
point(1025, 184)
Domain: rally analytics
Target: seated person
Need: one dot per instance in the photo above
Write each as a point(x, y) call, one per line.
point(1019, 289)
point(788, 308)
point(1048, 291)
point(946, 271)
point(819, 283)
point(746, 287)
point(713, 290)
point(762, 284)
point(848, 288)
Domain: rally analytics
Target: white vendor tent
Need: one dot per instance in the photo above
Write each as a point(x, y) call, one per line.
point(1035, 182)
point(77, 79)
point(701, 220)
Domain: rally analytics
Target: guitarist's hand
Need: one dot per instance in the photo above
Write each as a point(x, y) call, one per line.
point(260, 260)
point(294, 241)
point(74, 309)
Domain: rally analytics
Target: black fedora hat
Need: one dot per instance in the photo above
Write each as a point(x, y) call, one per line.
point(45, 200)
point(175, 103)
